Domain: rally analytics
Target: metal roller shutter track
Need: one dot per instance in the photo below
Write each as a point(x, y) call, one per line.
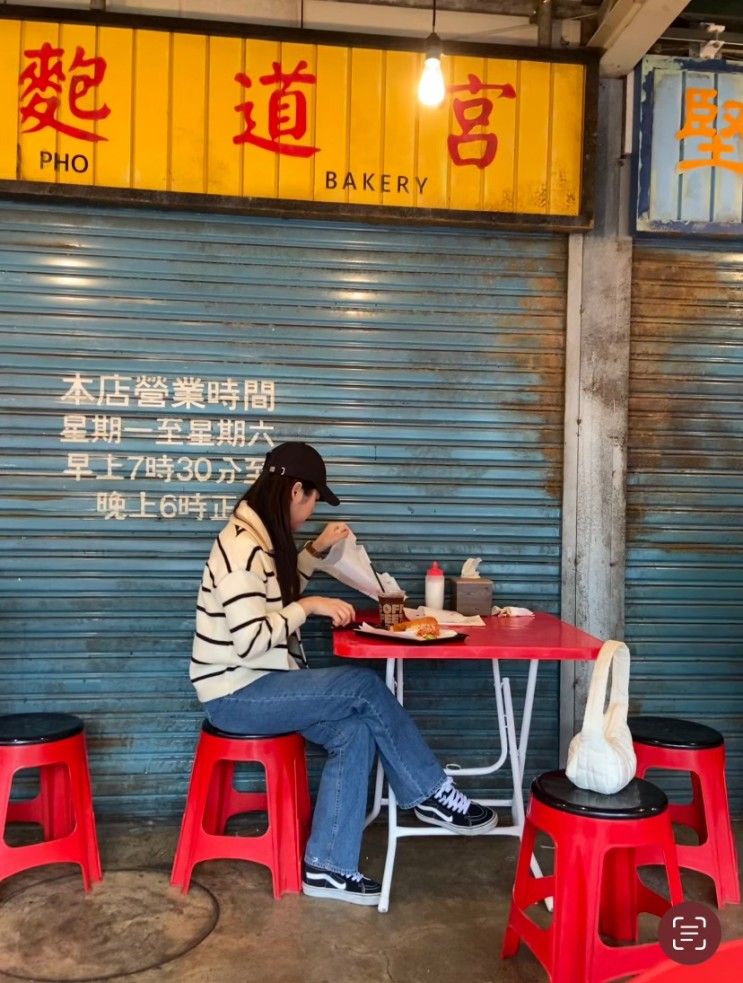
point(685, 496)
point(427, 365)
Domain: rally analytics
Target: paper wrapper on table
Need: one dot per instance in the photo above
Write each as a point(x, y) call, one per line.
point(444, 617)
point(511, 612)
point(349, 563)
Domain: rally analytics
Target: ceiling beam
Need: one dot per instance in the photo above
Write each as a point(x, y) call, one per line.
point(628, 31)
point(510, 8)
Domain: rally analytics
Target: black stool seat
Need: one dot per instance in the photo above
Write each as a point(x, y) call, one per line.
point(674, 733)
point(209, 728)
point(38, 728)
point(638, 800)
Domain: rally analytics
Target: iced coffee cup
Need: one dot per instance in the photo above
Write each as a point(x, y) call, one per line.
point(391, 609)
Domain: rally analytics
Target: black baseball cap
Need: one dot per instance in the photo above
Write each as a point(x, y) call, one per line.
point(298, 460)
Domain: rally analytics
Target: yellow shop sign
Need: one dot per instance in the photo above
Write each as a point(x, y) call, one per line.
point(290, 117)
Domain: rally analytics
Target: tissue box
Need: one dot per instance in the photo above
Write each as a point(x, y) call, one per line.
point(471, 595)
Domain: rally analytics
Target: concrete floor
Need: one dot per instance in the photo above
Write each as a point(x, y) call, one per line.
point(447, 913)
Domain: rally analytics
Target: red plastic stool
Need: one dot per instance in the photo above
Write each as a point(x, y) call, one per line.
point(55, 744)
point(725, 966)
point(683, 745)
point(595, 884)
point(212, 800)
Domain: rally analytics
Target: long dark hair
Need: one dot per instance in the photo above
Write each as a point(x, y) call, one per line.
point(270, 496)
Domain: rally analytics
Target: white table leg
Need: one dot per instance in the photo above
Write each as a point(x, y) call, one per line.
point(456, 769)
point(517, 804)
point(531, 685)
point(394, 681)
point(389, 863)
point(399, 686)
point(513, 745)
point(378, 801)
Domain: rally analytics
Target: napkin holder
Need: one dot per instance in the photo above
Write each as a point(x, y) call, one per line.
point(471, 595)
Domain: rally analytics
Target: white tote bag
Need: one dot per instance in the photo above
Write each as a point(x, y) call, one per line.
point(601, 757)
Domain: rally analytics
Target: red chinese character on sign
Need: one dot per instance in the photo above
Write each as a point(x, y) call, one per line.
point(45, 77)
point(471, 113)
point(287, 112)
point(700, 115)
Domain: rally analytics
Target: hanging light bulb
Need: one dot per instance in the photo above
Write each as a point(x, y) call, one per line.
point(431, 88)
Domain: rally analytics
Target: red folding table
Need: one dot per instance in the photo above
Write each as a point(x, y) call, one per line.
point(532, 639)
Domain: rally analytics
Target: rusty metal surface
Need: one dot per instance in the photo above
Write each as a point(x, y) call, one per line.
point(685, 495)
point(428, 366)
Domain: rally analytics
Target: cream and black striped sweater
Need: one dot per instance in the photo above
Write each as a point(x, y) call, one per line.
point(243, 629)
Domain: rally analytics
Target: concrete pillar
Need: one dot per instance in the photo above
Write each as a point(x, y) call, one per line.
point(596, 400)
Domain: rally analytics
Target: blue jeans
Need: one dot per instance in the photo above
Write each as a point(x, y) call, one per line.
point(350, 712)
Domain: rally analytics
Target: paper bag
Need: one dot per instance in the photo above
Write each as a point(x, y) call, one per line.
point(349, 563)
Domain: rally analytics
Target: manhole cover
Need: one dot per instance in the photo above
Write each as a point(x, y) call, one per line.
point(133, 920)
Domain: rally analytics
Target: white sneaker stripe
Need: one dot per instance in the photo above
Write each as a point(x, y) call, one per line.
point(340, 885)
point(441, 815)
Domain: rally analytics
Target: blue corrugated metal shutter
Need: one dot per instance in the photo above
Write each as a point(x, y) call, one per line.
point(427, 365)
point(685, 495)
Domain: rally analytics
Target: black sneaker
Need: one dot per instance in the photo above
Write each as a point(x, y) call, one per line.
point(452, 809)
point(354, 888)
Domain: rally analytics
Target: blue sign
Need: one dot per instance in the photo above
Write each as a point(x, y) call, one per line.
point(689, 142)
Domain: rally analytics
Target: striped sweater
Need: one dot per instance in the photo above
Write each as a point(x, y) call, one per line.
point(243, 629)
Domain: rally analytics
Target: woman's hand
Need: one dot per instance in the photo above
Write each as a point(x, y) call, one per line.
point(333, 533)
point(339, 612)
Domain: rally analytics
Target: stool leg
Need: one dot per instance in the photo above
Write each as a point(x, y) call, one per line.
point(302, 810)
point(521, 896)
point(720, 844)
point(286, 869)
point(304, 803)
point(82, 803)
point(7, 867)
point(649, 900)
point(6, 784)
point(193, 815)
point(511, 942)
point(619, 895)
point(575, 925)
point(673, 872)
